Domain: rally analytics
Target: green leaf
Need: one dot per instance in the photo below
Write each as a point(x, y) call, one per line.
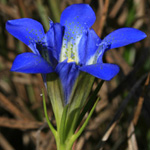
point(76, 135)
point(90, 103)
point(62, 129)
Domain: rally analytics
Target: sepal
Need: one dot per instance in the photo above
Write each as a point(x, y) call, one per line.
point(79, 95)
point(54, 90)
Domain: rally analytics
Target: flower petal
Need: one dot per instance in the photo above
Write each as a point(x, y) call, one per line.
point(76, 19)
point(78, 15)
point(54, 39)
point(31, 63)
point(88, 45)
point(124, 36)
point(102, 71)
point(68, 72)
point(27, 30)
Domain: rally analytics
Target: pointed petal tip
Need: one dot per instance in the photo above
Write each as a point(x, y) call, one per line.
point(144, 35)
point(124, 36)
point(140, 34)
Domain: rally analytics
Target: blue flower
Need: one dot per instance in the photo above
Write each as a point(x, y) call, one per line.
point(69, 47)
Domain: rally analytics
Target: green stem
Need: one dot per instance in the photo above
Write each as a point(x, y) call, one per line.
point(67, 145)
point(47, 118)
point(62, 129)
point(43, 14)
point(55, 10)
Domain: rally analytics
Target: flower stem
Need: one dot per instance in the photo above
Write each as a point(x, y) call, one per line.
point(46, 115)
point(67, 145)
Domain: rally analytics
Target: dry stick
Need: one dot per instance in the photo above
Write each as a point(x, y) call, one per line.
point(22, 8)
point(128, 80)
point(24, 109)
point(38, 135)
point(10, 11)
point(140, 7)
point(101, 17)
point(115, 57)
point(116, 8)
point(119, 112)
point(5, 144)
point(11, 107)
point(132, 144)
point(19, 124)
point(140, 102)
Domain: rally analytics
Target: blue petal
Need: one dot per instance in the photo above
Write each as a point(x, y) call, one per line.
point(58, 31)
point(27, 30)
point(31, 63)
point(102, 71)
point(124, 36)
point(88, 46)
point(53, 39)
point(76, 19)
point(68, 72)
point(77, 16)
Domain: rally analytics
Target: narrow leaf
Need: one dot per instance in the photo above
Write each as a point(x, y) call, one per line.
point(90, 102)
point(62, 128)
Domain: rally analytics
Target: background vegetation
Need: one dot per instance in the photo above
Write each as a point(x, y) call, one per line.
point(122, 118)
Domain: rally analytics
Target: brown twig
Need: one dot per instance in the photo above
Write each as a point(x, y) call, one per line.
point(116, 8)
point(4, 143)
point(119, 112)
point(132, 143)
point(11, 107)
point(19, 124)
point(115, 57)
point(140, 102)
point(10, 11)
point(101, 17)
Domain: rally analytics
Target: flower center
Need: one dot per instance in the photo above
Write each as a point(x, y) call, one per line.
point(71, 39)
point(69, 50)
point(70, 60)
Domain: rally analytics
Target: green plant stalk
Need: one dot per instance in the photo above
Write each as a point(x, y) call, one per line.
point(61, 129)
point(43, 14)
point(61, 140)
point(47, 118)
point(67, 145)
point(76, 135)
point(55, 10)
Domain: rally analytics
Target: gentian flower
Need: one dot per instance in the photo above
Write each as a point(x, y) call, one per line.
point(69, 47)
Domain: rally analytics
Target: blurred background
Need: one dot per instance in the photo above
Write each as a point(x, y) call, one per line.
point(121, 120)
